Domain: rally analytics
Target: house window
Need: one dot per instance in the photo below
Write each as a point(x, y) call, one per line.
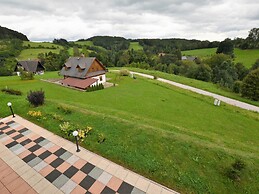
point(101, 78)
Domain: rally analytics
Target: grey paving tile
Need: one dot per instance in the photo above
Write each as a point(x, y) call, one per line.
point(66, 155)
point(20, 150)
point(104, 178)
point(73, 159)
point(16, 147)
point(137, 191)
point(40, 166)
point(5, 138)
point(14, 125)
point(68, 186)
point(60, 181)
point(96, 172)
point(48, 145)
point(34, 162)
point(26, 132)
point(2, 135)
point(44, 142)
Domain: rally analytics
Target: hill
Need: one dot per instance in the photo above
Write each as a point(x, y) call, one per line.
point(186, 139)
point(6, 33)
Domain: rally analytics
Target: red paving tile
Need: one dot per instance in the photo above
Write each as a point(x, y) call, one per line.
point(50, 159)
point(9, 178)
point(63, 167)
point(29, 145)
point(54, 148)
point(14, 134)
point(114, 183)
point(80, 163)
point(24, 154)
point(78, 177)
point(78, 190)
point(45, 171)
point(96, 188)
point(13, 185)
point(4, 191)
point(39, 151)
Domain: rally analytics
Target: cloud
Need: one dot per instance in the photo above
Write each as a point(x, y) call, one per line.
point(199, 19)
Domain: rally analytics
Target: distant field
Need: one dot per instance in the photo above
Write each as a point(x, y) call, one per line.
point(88, 43)
point(170, 135)
point(135, 46)
point(247, 57)
point(71, 51)
point(42, 44)
point(200, 52)
point(33, 53)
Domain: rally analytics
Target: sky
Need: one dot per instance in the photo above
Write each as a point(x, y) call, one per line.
point(44, 20)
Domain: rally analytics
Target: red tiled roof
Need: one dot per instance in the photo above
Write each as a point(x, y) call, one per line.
point(78, 83)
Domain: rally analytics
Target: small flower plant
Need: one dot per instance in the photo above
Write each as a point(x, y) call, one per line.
point(35, 114)
point(67, 129)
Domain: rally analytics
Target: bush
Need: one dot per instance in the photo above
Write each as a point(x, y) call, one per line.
point(234, 171)
point(36, 98)
point(12, 91)
point(94, 88)
point(101, 138)
point(65, 109)
point(250, 87)
point(237, 86)
point(124, 72)
point(26, 75)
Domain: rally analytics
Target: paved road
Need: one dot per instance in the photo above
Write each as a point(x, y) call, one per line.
point(203, 92)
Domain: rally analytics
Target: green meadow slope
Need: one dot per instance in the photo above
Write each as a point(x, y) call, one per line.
point(247, 57)
point(172, 136)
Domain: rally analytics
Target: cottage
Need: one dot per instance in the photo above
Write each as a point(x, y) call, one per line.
point(30, 66)
point(83, 72)
point(189, 58)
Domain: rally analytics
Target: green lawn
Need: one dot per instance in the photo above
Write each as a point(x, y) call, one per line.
point(170, 135)
point(208, 86)
point(135, 46)
point(247, 57)
point(33, 53)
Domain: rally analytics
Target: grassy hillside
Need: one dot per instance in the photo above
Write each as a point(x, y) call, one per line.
point(208, 86)
point(172, 136)
point(135, 46)
point(247, 57)
point(33, 53)
point(47, 45)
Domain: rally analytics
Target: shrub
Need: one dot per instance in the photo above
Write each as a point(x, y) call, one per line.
point(57, 117)
point(124, 72)
point(101, 138)
point(237, 86)
point(26, 75)
point(250, 87)
point(36, 98)
point(65, 109)
point(94, 88)
point(12, 91)
point(235, 170)
point(155, 77)
point(35, 114)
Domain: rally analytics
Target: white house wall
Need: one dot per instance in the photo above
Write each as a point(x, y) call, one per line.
point(98, 80)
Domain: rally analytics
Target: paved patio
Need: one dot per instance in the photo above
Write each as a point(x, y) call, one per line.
point(34, 160)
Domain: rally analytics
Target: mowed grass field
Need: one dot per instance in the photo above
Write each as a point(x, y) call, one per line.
point(172, 136)
point(30, 54)
point(247, 57)
point(135, 46)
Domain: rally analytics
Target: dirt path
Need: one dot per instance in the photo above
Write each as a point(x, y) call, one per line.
point(227, 100)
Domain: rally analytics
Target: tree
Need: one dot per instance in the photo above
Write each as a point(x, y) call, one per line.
point(253, 38)
point(224, 74)
point(256, 65)
point(226, 47)
point(250, 87)
point(203, 73)
point(241, 70)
